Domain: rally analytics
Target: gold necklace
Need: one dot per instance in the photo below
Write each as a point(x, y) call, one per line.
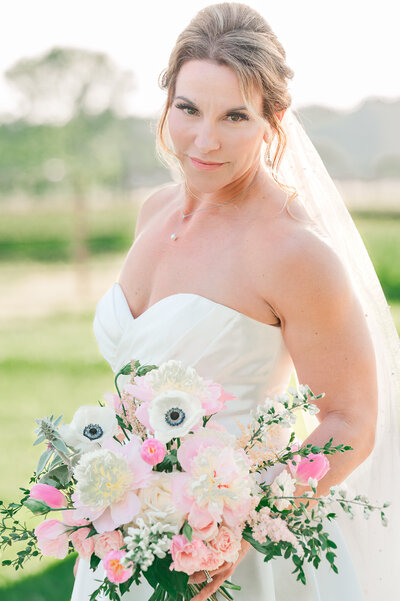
point(174, 236)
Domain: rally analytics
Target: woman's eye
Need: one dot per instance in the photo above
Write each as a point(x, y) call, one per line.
point(188, 110)
point(236, 117)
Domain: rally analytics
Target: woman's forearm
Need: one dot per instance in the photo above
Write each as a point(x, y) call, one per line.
point(360, 438)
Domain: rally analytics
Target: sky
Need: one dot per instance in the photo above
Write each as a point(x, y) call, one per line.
point(341, 51)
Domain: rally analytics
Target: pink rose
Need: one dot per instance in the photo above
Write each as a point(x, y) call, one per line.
point(116, 572)
point(109, 541)
point(50, 495)
point(315, 465)
point(82, 544)
point(52, 538)
point(187, 556)
point(227, 544)
point(152, 451)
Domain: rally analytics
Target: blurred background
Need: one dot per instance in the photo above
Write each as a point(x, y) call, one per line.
point(79, 103)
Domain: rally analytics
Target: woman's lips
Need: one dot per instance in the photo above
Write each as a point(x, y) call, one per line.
point(205, 166)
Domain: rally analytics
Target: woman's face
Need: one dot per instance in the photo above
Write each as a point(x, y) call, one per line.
point(208, 122)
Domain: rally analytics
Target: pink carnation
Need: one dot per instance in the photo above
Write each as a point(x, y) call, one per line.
point(109, 541)
point(50, 495)
point(152, 451)
point(52, 538)
point(116, 572)
point(82, 544)
point(227, 543)
point(187, 556)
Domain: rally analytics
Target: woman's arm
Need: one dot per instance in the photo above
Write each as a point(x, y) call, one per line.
point(325, 331)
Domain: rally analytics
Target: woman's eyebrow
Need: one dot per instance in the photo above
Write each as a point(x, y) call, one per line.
point(240, 108)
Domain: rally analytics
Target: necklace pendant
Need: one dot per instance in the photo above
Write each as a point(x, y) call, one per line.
point(174, 236)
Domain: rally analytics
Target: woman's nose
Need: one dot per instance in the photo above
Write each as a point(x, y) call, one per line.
point(207, 138)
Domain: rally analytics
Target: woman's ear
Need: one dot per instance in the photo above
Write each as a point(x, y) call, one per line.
point(280, 114)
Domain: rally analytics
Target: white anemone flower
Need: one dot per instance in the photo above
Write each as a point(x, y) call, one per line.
point(173, 413)
point(90, 426)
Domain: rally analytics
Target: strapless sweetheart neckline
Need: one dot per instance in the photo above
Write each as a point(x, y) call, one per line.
point(188, 295)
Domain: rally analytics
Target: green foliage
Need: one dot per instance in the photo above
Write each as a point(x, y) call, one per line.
point(53, 583)
point(101, 151)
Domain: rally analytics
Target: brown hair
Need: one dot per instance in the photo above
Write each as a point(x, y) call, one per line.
point(235, 35)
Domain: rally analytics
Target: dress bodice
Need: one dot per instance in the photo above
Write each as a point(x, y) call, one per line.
point(247, 357)
point(250, 360)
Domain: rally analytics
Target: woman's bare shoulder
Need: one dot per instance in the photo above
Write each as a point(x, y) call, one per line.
point(306, 265)
point(153, 204)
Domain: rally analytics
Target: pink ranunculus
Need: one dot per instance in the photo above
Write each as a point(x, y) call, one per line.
point(227, 543)
point(152, 451)
point(82, 544)
point(187, 556)
point(109, 541)
point(215, 398)
point(50, 495)
point(116, 572)
point(315, 465)
point(52, 538)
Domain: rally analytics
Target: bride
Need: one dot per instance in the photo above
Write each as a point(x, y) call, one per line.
point(244, 271)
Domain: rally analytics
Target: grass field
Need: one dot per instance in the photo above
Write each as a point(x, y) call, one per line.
point(49, 360)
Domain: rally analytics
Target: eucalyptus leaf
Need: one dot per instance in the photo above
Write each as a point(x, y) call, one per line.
point(58, 420)
point(58, 477)
point(39, 440)
point(43, 459)
point(60, 446)
point(56, 460)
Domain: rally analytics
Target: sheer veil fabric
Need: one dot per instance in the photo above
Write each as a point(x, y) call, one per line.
point(374, 548)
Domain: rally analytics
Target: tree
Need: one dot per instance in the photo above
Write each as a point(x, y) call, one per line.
point(66, 82)
point(70, 85)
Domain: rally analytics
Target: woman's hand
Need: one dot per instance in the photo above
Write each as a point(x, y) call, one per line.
point(219, 576)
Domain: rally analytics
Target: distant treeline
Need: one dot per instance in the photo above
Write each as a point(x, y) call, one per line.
point(115, 153)
point(102, 151)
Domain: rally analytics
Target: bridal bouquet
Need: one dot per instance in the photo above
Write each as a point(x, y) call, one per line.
point(153, 487)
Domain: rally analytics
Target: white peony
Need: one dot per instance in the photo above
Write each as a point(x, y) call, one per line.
point(173, 413)
point(90, 426)
point(174, 374)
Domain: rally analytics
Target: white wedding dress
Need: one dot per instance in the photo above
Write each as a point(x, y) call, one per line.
point(250, 360)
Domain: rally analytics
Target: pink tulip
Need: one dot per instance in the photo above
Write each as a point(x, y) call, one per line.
point(52, 538)
point(152, 451)
point(50, 495)
point(116, 572)
point(305, 468)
